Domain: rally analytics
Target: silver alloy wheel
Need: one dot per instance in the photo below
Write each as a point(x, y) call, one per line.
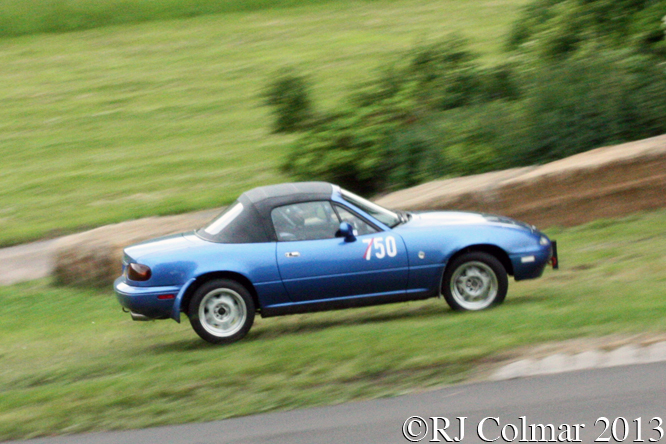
point(222, 312)
point(474, 285)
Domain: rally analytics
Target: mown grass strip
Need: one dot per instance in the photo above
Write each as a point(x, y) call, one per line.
point(56, 16)
point(71, 361)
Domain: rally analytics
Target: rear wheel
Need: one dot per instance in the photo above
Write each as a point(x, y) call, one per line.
point(221, 311)
point(474, 281)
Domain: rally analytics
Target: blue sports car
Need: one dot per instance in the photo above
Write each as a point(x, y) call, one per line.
point(303, 247)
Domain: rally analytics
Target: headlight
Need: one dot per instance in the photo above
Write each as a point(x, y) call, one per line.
point(544, 241)
point(138, 272)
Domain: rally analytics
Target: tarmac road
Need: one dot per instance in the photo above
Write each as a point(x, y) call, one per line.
point(566, 399)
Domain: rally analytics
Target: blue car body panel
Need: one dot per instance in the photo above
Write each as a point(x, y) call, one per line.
point(175, 308)
point(333, 268)
point(394, 264)
point(177, 261)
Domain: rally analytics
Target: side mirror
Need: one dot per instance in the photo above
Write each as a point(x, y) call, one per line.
point(347, 231)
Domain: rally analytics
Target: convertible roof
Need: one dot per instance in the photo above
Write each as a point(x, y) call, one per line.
point(254, 223)
point(264, 199)
point(301, 189)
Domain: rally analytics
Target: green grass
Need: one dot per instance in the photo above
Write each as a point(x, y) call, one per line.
point(71, 361)
point(55, 16)
point(165, 117)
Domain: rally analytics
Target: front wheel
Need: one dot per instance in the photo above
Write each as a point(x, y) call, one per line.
point(474, 281)
point(221, 311)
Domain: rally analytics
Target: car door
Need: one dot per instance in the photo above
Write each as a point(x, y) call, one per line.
point(315, 265)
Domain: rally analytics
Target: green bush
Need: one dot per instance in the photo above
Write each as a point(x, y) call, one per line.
point(473, 137)
point(414, 155)
point(437, 76)
point(556, 28)
point(289, 96)
point(446, 73)
point(437, 112)
point(534, 15)
point(648, 29)
point(351, 147)
point(499, 82)
point(386, 137)
point(597, 98)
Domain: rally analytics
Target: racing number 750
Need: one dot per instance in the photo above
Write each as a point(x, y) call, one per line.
point(382, 247)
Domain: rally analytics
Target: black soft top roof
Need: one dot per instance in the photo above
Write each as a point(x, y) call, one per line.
point(254, 223)
point(266, 198)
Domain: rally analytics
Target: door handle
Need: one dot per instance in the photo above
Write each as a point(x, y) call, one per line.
point(292, 254)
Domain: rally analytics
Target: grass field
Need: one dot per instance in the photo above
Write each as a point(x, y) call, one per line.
point(56, 16)
point(71, 361)
point(165, 117)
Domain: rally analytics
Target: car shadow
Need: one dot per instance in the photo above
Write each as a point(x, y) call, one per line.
point(308, 323)
point(314, 322)
point(531, 299)
point(189, 344)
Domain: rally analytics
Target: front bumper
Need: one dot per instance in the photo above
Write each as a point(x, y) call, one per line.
point(152, 302)
point(531, 264)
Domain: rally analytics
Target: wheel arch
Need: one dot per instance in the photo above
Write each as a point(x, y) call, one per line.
point(206, 277)
point(493, 250)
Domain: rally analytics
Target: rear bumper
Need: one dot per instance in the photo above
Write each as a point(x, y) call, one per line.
point(152, 302)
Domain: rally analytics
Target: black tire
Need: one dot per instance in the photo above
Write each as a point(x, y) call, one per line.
point(221, 311)
point(474, 281)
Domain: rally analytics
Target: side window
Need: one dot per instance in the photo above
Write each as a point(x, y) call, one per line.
point(360, 226)
point(305, 221)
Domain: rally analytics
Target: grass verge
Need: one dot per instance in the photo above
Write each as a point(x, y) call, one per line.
point(165, 117)
point(56, 16)
point(72, 362)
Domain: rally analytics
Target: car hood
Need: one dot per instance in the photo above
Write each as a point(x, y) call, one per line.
point(166, 244)
point(439, 218)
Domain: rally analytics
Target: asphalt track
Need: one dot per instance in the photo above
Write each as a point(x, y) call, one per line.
point(629, 392)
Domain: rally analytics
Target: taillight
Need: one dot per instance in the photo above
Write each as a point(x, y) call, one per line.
point(138, 272)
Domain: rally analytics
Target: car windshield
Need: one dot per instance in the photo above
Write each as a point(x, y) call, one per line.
point(387, 217)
